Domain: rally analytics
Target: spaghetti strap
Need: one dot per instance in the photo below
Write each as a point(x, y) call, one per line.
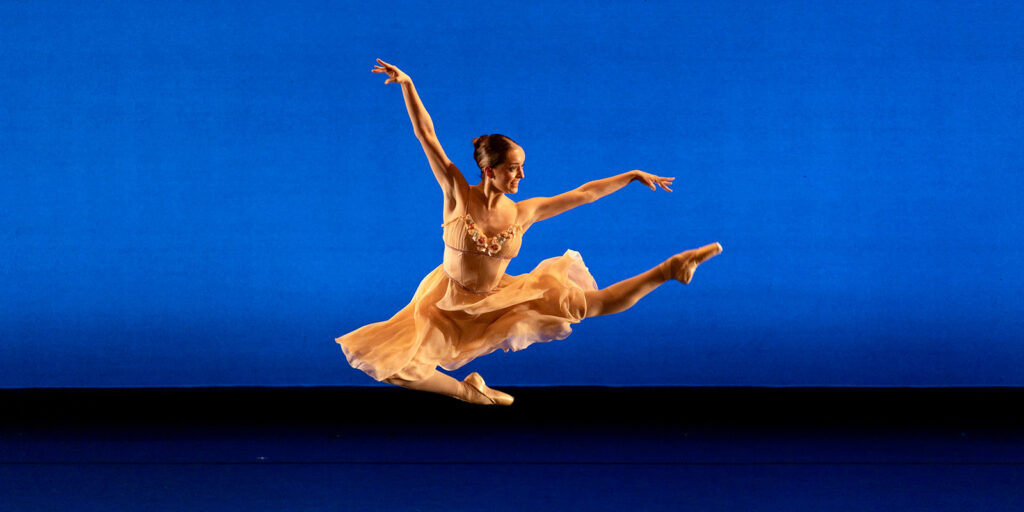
point(453, 220)
point(465, 211)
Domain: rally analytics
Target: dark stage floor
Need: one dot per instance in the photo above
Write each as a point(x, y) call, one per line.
point(300, 449)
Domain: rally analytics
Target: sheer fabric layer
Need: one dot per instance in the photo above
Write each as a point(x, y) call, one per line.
point(448, 326)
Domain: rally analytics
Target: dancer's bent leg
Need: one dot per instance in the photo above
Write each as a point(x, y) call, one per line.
point(444, 384)
point(623, 294)
point(437, 382)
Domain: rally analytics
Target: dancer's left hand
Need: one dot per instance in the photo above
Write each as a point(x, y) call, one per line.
point(651, 180)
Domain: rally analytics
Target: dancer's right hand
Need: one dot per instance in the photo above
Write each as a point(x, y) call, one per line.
point(395, 75)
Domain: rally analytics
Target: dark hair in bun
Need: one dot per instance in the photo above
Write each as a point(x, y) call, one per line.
point(490, 150)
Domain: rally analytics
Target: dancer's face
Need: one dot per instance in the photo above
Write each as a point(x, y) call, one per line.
point(507, 175)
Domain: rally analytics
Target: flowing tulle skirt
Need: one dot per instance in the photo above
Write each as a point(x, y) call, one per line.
point(445, 325)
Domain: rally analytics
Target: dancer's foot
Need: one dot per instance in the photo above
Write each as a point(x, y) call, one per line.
point(484, 394)
point(682, 266)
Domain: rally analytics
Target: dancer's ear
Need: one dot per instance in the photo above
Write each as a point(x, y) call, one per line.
point(489, 172)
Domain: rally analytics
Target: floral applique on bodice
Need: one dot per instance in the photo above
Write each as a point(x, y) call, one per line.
point(467, 236)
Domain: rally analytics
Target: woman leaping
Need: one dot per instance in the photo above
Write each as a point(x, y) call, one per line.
point(468, 306)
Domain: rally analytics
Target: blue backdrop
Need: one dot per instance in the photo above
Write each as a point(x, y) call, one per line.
point(208, 193)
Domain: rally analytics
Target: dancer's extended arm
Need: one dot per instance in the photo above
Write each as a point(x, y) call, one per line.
point(447, 174)
point(540, 208)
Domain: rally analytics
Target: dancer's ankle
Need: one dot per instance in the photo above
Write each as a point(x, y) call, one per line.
point(665, 269)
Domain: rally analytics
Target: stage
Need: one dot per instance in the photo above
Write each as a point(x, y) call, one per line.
point(590, 448)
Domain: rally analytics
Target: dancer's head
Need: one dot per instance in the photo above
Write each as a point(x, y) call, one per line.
point(500, 160)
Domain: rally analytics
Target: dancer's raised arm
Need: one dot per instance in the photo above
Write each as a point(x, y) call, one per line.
point(447, 174)
point(539, 208)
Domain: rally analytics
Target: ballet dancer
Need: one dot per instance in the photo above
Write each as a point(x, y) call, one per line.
point(468, 306)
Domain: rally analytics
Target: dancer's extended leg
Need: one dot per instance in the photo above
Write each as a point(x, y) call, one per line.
point(623, 294)
point(471, 390)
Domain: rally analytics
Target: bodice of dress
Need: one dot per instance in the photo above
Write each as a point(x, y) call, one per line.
point(464, 235)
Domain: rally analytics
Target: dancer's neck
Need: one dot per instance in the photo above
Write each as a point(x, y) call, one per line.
point(491, 195)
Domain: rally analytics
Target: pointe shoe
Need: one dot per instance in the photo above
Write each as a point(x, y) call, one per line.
point(475, 381)
point(682, 266)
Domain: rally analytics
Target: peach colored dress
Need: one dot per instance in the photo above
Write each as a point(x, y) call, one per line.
point(447, 324)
